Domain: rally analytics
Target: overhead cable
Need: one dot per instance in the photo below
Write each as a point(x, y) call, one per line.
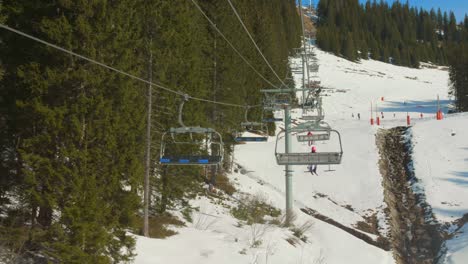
point(116, 70)
point(230, 44)
point(253, 41)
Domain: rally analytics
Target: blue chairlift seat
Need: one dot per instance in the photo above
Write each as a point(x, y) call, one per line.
point(190, 160)
point(215, 143)
point(271, 120)
point(251, 139)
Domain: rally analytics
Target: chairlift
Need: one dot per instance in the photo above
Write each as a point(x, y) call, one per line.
point(314, 113)
point(276, 99)
point(271, 118)
point(313, 85)
point(259, 129)
point(307, 158)
point(191, 136)
point(316, 131)
point(310, 101)
point(318, 116)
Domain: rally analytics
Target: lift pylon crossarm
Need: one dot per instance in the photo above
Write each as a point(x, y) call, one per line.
point(305, 158)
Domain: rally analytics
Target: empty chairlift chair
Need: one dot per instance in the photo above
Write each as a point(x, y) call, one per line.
point(258, 130)
point(212, 155)
point(176, 143)
point(271, 118)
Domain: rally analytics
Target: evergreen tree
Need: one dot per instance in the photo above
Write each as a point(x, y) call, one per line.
point(349, 51)
point(73, 143)
point(408, 34)
point(458, 61)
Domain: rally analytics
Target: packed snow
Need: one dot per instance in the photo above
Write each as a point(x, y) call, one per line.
point(346, 193)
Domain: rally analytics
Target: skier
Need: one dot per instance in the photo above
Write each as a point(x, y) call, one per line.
point(359, 116)
point(310, 142)
point(313, 167)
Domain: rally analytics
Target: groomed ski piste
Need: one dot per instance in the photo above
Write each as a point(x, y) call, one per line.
point(346, 193)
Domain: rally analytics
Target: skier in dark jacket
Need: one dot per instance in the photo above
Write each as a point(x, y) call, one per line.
point(313, 167)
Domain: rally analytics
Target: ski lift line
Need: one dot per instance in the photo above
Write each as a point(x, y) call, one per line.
point(115, 69)
point(230, 43)
point(305, 55)
point(253, 41)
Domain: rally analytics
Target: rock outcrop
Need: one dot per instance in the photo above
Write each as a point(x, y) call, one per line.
point(414, 235)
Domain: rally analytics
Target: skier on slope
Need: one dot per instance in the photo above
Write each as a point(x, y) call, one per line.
point(313, 167)
point(309, 134)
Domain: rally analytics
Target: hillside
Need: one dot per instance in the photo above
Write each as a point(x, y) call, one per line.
point(350, 194)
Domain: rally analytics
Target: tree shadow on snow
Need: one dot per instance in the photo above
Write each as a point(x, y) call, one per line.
point(425, 107)
point(460, 179)
point(460, 182)
point(458, 243)
point(460, 173)
point(456, 213)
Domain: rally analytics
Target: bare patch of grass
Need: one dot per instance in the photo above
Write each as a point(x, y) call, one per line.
point(293, 240)
point(371, 225)
point(283, 221)
point(299, 231)
point(253, 209)
point(223, 183)
point(257, 232)
point(158, 225)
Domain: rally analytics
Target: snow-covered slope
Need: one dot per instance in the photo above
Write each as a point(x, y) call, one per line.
point(346, 193)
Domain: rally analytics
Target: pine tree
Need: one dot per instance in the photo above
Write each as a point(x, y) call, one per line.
point(417, 34)
point(73, 138)
point(349, 50)
point(458, 61)
point(79, 147)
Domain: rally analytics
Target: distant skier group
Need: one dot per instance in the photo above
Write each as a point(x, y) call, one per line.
point(358, 115)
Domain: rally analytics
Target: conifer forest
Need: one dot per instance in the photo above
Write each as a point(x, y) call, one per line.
point(72, 135)
point(396, 33)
